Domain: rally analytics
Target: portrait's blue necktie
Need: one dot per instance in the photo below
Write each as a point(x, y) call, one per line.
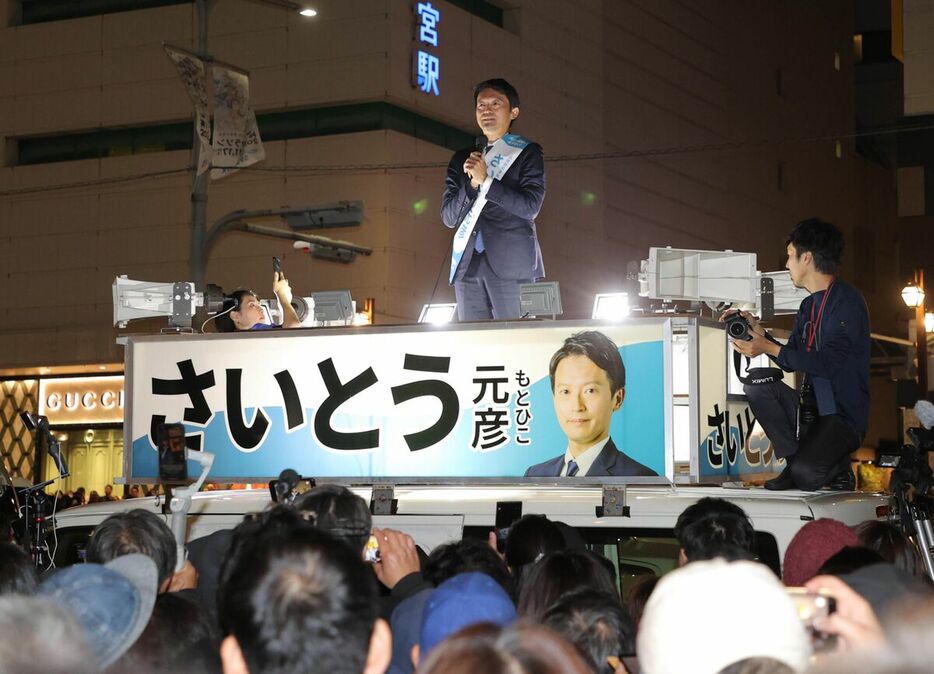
point(572, 468)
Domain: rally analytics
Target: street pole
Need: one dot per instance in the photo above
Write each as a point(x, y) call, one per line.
point(199, 185)
point(197, 254)
point(921, 340)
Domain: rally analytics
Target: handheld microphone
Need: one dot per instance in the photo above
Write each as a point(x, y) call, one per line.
point(480, 144)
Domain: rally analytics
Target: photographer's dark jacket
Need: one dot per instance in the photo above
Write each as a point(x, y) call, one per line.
point(838, 363)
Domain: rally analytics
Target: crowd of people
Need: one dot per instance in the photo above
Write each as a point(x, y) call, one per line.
point(290, 590)
point(80, 496)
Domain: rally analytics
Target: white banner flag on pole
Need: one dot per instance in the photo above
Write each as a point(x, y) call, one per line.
point(236, 136)
point(193, 73)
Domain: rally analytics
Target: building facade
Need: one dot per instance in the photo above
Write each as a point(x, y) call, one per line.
point(708, 125)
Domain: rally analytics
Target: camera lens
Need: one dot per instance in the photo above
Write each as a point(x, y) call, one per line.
point(737, 329)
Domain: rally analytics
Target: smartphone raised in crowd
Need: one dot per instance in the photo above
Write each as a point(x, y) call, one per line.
point(813, 607)
point(507, 512)
point(371, 551)
point(173, 464)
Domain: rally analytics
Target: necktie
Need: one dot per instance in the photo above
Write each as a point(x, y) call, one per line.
point(478, 243)
point(572, 468)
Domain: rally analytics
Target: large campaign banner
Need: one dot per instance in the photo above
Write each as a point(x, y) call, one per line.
point(419, 402)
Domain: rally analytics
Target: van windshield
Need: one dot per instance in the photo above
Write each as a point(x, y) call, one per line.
point(637, 553)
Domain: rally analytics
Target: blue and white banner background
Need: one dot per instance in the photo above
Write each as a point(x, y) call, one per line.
point(423, 402)
point(731, 443)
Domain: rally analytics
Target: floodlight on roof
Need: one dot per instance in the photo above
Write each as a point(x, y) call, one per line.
point(333, 307)
point(540, 299)
point(437, 314)
point(610, 306)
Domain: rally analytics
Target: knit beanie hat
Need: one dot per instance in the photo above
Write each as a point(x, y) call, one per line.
point(814, 544)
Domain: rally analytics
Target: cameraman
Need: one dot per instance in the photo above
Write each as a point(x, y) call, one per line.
point(242, 310)
point(815, 430)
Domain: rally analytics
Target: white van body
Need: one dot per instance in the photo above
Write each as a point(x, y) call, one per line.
point(433, 515)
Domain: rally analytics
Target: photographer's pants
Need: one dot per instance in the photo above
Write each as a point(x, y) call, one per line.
point(824, 450)
point(776, 408)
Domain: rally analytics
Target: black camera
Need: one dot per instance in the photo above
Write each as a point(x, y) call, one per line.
point(737, 327)
point(911, 461)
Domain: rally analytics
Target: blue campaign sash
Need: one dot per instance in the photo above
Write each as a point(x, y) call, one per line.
point(498, 160)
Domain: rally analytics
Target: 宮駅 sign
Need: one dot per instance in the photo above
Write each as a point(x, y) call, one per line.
point(426, 70)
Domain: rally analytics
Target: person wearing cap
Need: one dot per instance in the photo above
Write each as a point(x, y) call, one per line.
point(445, 562)
point(814, 544)
point(28, 625)
point(588, 384)
point(112, 602)
point(464, 600)
point(710, 614)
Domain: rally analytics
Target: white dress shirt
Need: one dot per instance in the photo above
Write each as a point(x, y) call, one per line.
point(585, 460)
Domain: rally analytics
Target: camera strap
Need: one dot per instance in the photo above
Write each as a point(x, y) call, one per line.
point(814, 325)
point(756, 376)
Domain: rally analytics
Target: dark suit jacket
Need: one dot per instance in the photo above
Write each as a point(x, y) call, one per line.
point(610, 462)
point(508, 218)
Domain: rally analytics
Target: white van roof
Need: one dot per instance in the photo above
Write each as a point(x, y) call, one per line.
point(435, 514)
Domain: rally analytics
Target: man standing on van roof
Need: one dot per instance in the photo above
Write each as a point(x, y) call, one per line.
point(588, 382)
point(818, 428)
point(492, 195)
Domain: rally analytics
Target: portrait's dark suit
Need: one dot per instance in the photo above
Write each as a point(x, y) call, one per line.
point(610, 462)
point(511, 252)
